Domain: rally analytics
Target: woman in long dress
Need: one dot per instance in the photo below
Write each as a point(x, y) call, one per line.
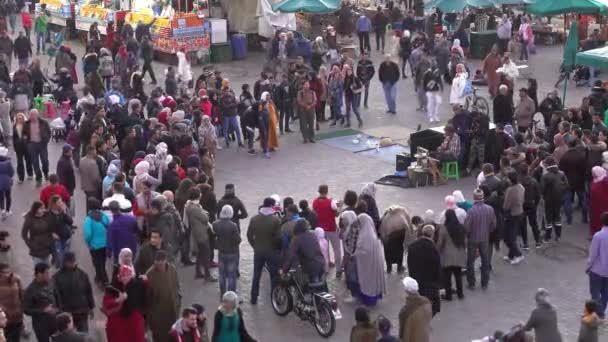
point(273, 138)
point(368, 255)
point(490, 64)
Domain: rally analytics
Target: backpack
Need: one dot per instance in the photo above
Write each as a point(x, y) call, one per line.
point(106, 66)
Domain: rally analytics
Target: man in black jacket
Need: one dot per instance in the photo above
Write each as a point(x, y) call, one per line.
point(284, 103)
point(553, 185)
point(365, 72)
point(39, 303)
point(480, 126)
point(73, 292)
point(424, 265)
point(531, 200)
point(380, 22)
point(23, 49)
point(388, 73)
point(37, 133)
point(238, 208)
point(147, 53)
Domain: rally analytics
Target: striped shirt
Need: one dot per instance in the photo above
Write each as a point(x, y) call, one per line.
point(480, 222)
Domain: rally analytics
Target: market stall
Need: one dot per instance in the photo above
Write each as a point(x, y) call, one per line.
point(597, 58)
point(187, 30)
point(88, 12)
point(59, 11)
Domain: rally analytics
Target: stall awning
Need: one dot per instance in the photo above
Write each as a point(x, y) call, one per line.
point(308, 6)
point(554, 7)
point(597, 58)
point(512, 2)
point(452, 6)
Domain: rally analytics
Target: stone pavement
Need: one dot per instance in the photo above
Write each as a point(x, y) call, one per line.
point(296, 170)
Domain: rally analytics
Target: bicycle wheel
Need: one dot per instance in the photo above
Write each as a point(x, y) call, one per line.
point(481, 105)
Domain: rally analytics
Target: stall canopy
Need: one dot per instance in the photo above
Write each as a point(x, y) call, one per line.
point(307, 6)
point(269, 20)
point(511, 2)
point(546, 7)
point(597, 58)
point(255, 16)
point(451, 6)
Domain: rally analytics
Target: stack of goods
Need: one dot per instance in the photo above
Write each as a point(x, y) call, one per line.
point(88, 13)
point(184, 30)
point(59, 10)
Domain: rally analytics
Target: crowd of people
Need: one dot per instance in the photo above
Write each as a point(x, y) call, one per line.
point(146, 167)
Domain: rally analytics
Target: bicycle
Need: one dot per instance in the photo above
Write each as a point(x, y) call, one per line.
point(477, 102)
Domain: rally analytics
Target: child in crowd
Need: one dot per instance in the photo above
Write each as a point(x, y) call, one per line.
point(589, 323)
point(323, 245)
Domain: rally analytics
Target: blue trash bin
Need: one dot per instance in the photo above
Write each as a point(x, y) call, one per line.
point(238, 42)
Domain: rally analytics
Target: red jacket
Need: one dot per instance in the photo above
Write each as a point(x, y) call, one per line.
point(48, 191)
point(26, 19)
point(326, 215)
point(206, 107)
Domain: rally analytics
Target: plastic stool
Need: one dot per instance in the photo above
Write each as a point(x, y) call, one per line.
point(449, 170)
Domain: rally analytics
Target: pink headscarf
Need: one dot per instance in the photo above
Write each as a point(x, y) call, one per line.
point(598, 173)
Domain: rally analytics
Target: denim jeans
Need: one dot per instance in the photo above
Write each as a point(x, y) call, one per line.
point(261, 260)
point(569, 201)
point(40, 42)
point(228, 270)
point(61, 247)
point(263, 127)
point(365, 93)
point(484, 253)
point(231, 122)
point(598, 286)
point(39, 153)
point(512, 226)
point(353, 102)
point(380, 39)
point(390, 93)
point(524, 50)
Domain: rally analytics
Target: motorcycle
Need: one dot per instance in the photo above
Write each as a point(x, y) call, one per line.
point(309, 302)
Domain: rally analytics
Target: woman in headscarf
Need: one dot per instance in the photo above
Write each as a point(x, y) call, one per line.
point(543, 319)
point(124, 304)
point(368, 255)
point(207, 136)
point(451, 203)
point(319, 50)
point(461, 202)
point(368, 195)
point(228, 323)
point(349, 232)
point(394, 229)
point(142, 174)
point(108, 180)
point(457, 48)
point(599, 198)
point(273, 139)
point(451, 247)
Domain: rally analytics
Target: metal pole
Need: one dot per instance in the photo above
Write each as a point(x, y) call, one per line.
point(565, 89)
